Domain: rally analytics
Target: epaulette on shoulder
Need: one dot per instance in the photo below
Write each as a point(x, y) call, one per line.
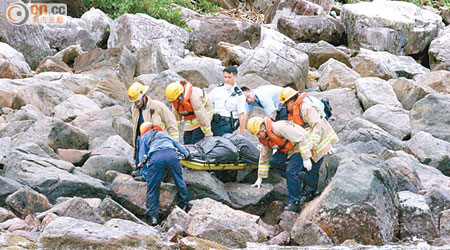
point(237, 90)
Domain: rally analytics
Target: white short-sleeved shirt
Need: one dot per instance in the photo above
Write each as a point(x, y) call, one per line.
point(226, 99)
point(266, 97)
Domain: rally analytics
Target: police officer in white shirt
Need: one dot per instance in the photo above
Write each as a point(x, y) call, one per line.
point(229, 105)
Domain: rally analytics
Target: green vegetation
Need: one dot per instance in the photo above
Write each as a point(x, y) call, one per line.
point(161, 9)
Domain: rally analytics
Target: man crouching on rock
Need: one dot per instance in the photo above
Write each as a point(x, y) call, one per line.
point(157, 152)
point(293, 145)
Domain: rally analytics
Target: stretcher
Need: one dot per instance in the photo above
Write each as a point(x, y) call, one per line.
point(198, 165)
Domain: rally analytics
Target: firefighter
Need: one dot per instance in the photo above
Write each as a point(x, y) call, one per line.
point(293, 146)
point(193, 104)
point(303, 111)
point(147, 110)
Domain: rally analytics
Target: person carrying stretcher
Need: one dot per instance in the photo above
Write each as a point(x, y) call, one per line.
point(293, 146)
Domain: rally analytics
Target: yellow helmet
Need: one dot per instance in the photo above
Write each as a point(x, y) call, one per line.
point(254, 124)
point(136, 91)
point(286, 94)
point(173, 91)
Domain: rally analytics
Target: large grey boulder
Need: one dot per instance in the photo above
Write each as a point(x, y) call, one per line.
point(431, 151)
point(152, 59)
point(397, 27)
point(277, 63)
point(52, 178)
point(15, 58)
point(409, 92)
point(287, 8)
point(99, 124)
point(406, 176)
point(362, 130)
point(372, 91)
point(320, 52)
point(98, 24)
point(202, 72)
point(392, 119)
point(118, 62)
point(9, 186)
point(309, 233)
point(439, 52)
point(26, 201)
point(312, 29)
point(66, 232)
point(137, 31)
point(74, 106)
point(224, 225)
point(39, 93)
point(14, 127)
point(415, 217)
point(79, 83)
point(360, 203)
point(97, 166)
point(132, 194)
point(201, 185)
point(335, 74)
point(437, 80)
point(403, 66)
point(244, 197)
point(207, 32)
point(368, 66)
point(73, 31)
point(231, 54)
point(59, 134)
point(116, 146)
point(27, 39)
point(75, 207)
point(429, 115)
point(345, 106)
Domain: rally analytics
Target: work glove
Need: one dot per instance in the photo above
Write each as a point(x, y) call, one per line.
point(307, 164)
point(331, 151)
point(257, 183)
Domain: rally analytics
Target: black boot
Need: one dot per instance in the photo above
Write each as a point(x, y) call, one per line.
point(136, 172)
point(293, 207)
point(308, 197)
point(151, 220)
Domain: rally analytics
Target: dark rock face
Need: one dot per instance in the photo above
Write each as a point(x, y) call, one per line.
point(312, 29)
point(212, 30)
point(26, 201)
point(357, 195)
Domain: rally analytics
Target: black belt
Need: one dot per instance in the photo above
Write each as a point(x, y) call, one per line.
point(224, 118)
point(217, 118)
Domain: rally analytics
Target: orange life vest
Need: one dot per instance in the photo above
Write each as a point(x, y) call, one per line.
point(295, 114)
point(184, 106)
point(274, 140)
point(152, 127)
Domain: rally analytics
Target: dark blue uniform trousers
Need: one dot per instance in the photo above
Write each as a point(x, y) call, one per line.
point(312, 177)
point(221, 127)
point(193, 136)
point(290, 171)
point(154, 171)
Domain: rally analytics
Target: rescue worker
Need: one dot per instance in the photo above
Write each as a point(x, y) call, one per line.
point(158, 152)
point(293, 145)
point(323, 136)
point(147, 110)
point(229, 105)
point(191, 103)
point(265, 97)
